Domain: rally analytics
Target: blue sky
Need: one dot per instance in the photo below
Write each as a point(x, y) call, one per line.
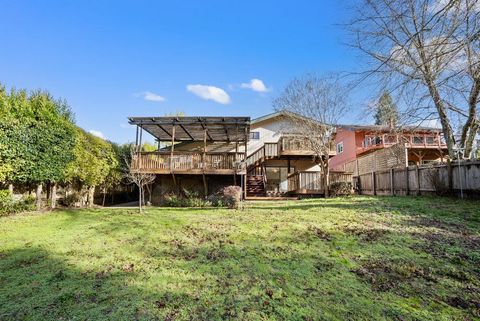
point(114, 59)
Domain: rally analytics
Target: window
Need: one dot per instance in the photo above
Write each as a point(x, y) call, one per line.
point(418, 140)
point(254, 135)
point(340, 148)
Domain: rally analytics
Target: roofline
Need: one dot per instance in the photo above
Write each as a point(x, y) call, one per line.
point(386, 128)
point(277, 114)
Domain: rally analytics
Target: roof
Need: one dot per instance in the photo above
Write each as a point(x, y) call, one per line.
point(285, 113)
point(383, 128)
point(195, 128)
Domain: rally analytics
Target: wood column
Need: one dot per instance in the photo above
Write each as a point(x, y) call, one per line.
point(172, 149)
point(205, 187)
point(245, 161)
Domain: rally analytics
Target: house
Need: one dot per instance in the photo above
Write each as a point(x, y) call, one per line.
point(363, 149)
point(265, 156)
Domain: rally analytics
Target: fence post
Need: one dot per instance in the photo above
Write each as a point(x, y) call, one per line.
point(407, 180)
point(417, 174)
point(450, 176)
point(373, 184)
point(392, 186)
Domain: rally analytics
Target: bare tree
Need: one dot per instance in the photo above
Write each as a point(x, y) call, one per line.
point(428, 52)
point(133, 176)
point(314, 104)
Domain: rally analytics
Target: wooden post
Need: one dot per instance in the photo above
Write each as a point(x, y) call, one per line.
point(245, 161)
point(205, 187)
point(136, 139)
point(374, 187)
point(417, 174)
point(172, 149)
point(407, 180)
point(392, 187)
point(140, 144)
point(450, 175)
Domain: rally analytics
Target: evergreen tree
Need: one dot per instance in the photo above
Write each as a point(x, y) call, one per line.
point(386, 111)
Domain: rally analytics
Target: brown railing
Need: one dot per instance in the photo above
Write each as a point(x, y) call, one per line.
point(312, 182)
point(298, 145)
point(305, 182)
point(413, 140)
point(159, 162)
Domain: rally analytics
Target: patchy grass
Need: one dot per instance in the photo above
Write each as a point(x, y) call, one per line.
point(361, 258)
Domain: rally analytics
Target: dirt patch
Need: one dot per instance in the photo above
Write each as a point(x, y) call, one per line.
point(388, 275)
point(457, 247)
point(367, 234)
point(319, 233)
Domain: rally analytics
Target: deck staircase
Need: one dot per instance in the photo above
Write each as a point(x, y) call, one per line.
point(255, 186)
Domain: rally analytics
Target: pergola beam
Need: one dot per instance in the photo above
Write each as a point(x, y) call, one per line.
point(186, 131)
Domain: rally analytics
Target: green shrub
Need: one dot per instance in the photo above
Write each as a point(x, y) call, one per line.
point(71, 199)
point(190, 199)
point(217, 200)
point(341, 189)
point(9, 206)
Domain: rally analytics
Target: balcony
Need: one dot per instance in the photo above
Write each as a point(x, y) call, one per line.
point(422, 141)
point(291, 145)
point(188, 163)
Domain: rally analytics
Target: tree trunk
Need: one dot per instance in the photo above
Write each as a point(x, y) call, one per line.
point(10, 188)
point(53, 195)
point(38, 201)
point(140, 198)
point(48, 188)
point(326, 179)
point(104, 195)
point(91, 193)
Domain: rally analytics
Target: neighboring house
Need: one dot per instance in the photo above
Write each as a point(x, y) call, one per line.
point(363, 149)
point(265, 155)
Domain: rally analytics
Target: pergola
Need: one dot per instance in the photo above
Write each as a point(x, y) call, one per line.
point(181, 129)
point(233, 130)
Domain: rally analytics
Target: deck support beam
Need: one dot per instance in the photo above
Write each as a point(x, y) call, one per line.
point(172, 149)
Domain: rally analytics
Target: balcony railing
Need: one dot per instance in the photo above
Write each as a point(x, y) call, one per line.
point(297, 145)
point(412, 141)
point(188, 163)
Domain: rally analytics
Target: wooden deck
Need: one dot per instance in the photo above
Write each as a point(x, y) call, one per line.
point(189, 163)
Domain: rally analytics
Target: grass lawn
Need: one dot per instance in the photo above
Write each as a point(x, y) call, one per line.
point(360, 258)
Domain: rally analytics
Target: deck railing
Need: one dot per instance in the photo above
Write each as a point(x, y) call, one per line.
point(411, 140)
point(157, 162)
point(312, 182)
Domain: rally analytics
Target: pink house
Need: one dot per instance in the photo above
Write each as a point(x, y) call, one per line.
point(423, 144)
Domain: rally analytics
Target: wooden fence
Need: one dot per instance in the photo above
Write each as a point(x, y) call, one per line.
point(454, 178)
point(312, 182)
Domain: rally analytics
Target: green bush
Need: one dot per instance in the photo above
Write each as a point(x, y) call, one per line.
point(190, 199)
point(341, 189)
point(71, 199)
point(9, 206)
point(217, 200)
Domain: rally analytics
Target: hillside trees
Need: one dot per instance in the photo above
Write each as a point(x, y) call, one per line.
point(37, 132)
point(95, 161)
point(41, 146)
